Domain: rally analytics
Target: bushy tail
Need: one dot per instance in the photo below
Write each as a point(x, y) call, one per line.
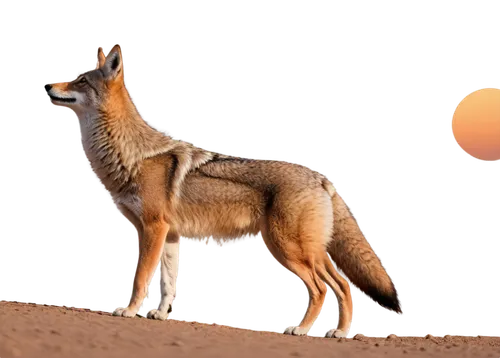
point(355, 257)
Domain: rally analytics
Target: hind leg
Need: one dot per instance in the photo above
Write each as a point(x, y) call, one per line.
point(341, 288)
point(296, 256)
point(296, 228)
point(309, 274)
point(317, 292)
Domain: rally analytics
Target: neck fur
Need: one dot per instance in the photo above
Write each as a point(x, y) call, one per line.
point(117, 140)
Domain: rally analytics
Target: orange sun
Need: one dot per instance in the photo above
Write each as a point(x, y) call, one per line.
point(476, 124)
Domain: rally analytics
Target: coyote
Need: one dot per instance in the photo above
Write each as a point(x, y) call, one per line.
point(168, 188)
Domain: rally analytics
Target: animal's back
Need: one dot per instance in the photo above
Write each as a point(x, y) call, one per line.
point(262, 174)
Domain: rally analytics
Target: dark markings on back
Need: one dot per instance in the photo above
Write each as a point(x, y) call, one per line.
point(218, 159)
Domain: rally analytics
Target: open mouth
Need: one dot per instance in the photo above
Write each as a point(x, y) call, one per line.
point(62, 99)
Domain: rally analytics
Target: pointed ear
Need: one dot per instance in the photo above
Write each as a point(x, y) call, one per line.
point(113, 65)
point(100, 58)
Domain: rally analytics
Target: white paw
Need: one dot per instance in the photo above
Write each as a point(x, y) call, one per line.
point(296, 331)
point(336, 333)
point(157, 314)
point(124, 312)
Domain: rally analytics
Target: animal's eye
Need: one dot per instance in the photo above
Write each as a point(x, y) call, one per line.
point(82, 80)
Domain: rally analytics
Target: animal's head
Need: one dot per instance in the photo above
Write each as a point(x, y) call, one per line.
point(91, 90)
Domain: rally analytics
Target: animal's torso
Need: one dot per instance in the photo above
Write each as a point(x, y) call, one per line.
point(200, 193)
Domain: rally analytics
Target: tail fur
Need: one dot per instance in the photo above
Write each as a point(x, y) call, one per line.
point(355, 257)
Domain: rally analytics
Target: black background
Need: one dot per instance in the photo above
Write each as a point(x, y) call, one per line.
point(375, 116)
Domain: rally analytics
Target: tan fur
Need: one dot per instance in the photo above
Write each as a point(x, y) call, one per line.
point(165, 186)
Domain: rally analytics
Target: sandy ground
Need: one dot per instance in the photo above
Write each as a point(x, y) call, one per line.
point(29, 330)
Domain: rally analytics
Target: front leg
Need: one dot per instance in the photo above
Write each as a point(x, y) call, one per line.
point(151, 241)
point(169, 269)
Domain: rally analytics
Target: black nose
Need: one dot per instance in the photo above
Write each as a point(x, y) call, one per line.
point(48, 87)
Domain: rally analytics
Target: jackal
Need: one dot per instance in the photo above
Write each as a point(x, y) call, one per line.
point(168, 188)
